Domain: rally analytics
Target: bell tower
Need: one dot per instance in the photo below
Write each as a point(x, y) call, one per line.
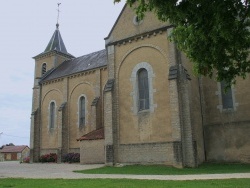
point(54, 54)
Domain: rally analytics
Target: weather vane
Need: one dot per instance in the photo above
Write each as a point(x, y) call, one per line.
point(58, 10)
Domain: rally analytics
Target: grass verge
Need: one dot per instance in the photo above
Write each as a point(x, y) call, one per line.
point(166, 170)
point(121, 183)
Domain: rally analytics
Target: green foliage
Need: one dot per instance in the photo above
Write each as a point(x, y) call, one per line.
point(121, 183)
point(10, 144)
point(213, 34)
point(166, 170)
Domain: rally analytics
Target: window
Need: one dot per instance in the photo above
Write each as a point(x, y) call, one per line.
point(227, 97)
point(143, 89)
point(52, 115)
point(81, 112)
point(143, 92)
point(137, 20)
point(44, 69)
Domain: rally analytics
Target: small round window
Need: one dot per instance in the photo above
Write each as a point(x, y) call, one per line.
point(137, 20)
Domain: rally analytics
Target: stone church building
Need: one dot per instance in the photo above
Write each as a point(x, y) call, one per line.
point(135, 102)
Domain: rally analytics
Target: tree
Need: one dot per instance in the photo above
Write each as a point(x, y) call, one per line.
point(10, 144)
point(214, 34)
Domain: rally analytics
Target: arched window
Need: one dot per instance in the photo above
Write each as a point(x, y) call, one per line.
point(143, 89)
point(52, 114)
point(226, 96)
point(44, 69)
point(143, 92)
point(81, 112)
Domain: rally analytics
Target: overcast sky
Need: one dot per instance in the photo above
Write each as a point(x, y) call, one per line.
point(25, 30)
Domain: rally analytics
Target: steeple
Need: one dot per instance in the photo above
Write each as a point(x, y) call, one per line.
point(55, 46)
point(56, 42)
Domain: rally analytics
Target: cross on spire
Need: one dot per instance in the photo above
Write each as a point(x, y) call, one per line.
point(58, 13)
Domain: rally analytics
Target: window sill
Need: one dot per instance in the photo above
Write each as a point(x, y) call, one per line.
point(228, 110)
point(144, 111)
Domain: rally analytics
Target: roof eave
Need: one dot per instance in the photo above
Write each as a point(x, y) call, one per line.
point(138, 35)
point(65, 76)
point(52, 52)
point(116, 22)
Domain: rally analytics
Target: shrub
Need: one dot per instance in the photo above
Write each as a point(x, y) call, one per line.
point(71, 158)
point(48, 158)
point(26, 160)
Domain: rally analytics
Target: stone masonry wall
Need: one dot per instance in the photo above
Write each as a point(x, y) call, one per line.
point(92, 152)
point(155, 153)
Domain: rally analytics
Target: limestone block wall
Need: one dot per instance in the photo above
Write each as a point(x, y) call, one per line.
point(35, 136)
point(65, 92)
point(92, 151)
point(47, 151)
point(196, 111)
point(146, 153)
point(39, 62)
point(227, 130)
point(228, 142)
point(50, 93)
point(126, 25)
point(51, 60)
point(151, 125)
point(65, 133)
point(143, 136)
point(81, 86)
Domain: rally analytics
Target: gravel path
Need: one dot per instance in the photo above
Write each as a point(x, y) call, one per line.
point(65, 171)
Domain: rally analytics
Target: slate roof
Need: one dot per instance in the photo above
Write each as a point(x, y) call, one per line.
point(13, 149)
point(94, 135)
point(80, 64)
point(56, 43)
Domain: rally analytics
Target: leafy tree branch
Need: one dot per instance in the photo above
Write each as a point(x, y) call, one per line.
point(214, 34)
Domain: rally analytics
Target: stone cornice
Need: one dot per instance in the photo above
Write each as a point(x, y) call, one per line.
point(52, 81)
point(140, 36)
point(76, 75)
point(50, 53)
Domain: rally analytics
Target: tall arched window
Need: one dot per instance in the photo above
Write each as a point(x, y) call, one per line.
point(143, 89)
point(52, 110)
point(143, 71)
point(81, 112)
point(226, 96)
point(44, 69)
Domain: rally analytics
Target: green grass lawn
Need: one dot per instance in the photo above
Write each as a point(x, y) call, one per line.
point(121, 183)
point(166, 170)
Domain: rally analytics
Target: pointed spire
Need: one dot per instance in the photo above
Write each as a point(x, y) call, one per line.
point(56, 42)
